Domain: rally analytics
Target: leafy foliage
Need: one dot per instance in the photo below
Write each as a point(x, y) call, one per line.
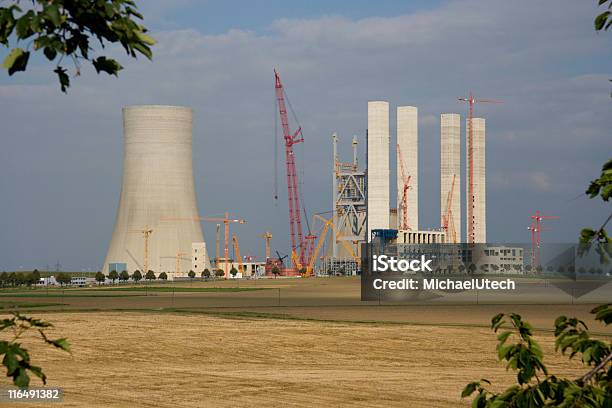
point(67, 28)
point(150, 275)
point(536, 387)
point(113, 275)
point(601, 186)
point(100, 277)
point(124, 276)
point(191, 274)
point(163, 276)
point(233, 271)
point(137, 276)
point(219, 273)
point(604, 20)
point(16, 358)
point(63, 278)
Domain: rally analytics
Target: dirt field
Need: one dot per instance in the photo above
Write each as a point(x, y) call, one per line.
point(294, 343)
point(168, 360)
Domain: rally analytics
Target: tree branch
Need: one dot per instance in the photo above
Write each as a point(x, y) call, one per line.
point(586, 377)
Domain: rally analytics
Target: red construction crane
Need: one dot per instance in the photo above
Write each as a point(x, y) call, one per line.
point(471, 100)
point(447, 219)
point(536, 235)
point(295, 222)
point(406, 187)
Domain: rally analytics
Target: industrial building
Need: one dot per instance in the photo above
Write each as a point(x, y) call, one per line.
point(339, 267)
point(450, 175)
point(479, 200)
point(199, 257)
point(405, 216)
point(499, 259)
point(421, 237)
point(157, 219)
point(349, 190)
point(407, 168)
point(378, 166)
point(249, 268)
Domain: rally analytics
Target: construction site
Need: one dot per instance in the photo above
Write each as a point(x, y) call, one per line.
point(158, 226)
point(295, 327)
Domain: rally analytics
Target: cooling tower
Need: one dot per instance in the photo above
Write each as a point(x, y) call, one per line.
point(157, 194)
point(480, 190)
point(408, 142)
point(378, 166)
point(450, 167)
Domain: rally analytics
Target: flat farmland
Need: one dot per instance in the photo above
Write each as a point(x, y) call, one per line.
point(153, 359)
point(290, 342)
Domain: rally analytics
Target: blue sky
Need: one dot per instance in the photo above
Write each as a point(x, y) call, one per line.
point(60, 155)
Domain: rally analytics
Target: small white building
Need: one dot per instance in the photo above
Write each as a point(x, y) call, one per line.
point(78, 281)
point(199, 258)
point(249, 269)
point(499, 259)
point(49, 281)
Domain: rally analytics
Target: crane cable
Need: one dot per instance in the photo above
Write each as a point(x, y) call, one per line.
point(303, 161)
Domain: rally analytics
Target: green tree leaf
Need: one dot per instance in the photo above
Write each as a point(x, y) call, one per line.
point(17, 60)
point(110, 66)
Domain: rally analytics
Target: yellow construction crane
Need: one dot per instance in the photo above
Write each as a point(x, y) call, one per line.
point(178, 260)
point(447, 219)
point(226, 220)
point(267, 236)
point(146, 233)
point(336, 234)
point(237, 253)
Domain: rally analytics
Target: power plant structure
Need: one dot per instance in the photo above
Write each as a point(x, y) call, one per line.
point(450, 175)
point(477, 179)
point(405, 217)
point(349, 192)
point(157, 186)
point(378, 166)
point(407, 168)
point(158, 225)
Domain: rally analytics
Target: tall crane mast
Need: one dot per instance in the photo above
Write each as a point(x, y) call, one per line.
point(146, 233)
point(237, 253)
point(536, 235)
point(179, 254)
point(295, 222)
point(447, 219)
point(406, 187)
point(471, 100)
point(226, 220)
point(267, 236)
point(218, 240)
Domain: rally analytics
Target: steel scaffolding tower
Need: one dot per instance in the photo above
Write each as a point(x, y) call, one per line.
point(349, 200)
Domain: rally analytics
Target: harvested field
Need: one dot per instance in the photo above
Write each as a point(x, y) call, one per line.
point(168, 360)
point(291, 342)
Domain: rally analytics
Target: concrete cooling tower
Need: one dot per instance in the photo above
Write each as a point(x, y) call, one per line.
point(157, 220)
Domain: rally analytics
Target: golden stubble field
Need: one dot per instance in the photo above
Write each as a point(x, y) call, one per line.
point(168, 360)
point(321, 347)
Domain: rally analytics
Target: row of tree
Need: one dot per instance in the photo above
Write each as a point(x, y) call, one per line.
point(19, 278)
point(124, 275)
